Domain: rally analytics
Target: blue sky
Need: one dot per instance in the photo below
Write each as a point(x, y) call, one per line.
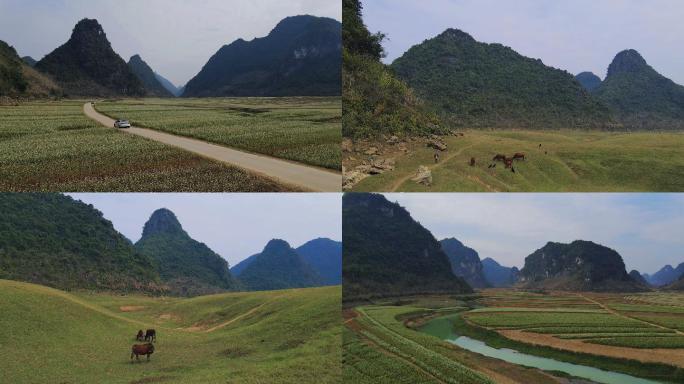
point(578, 35)
point(646, 229)
point(175, 37)
point(234, 225)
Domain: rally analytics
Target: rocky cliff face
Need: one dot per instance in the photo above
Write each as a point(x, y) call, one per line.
point(465, 262)
point(578, 266)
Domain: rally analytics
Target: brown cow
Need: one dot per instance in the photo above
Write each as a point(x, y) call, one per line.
point(509, 162)
point(499, 157)
point(142, 349)
point(140, 336)
point(519, 155)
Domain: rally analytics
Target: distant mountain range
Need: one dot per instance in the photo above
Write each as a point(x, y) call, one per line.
point(665, 276)
point(578, 266)
point(497, 275)
point(588, 80)
point(475, 84)
point(323, 256)
point(388, 253)
point(169, 86)
point(465, 262)
point(301, 56)
point(86, 65)
point(148, 77)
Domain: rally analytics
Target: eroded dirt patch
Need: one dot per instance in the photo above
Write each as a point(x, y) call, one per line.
point(131, 308)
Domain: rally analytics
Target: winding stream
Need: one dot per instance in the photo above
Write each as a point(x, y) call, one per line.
point(442, 328)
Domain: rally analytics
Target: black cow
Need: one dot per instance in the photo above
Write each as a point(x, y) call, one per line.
point(151, 335)
point(140, 336)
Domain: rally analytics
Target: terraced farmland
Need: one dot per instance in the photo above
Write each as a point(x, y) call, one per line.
point(289, 336)
point(306, 130)
point(52, 146)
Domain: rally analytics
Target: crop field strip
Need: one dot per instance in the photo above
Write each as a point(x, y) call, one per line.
point(567, 161)
point(618, 324)
point(52, 146)
point(305, 130)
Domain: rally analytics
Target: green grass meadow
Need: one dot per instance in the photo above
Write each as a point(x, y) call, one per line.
point(567, 161)
point(289, 336)
point(302, 129)
point(53, 146)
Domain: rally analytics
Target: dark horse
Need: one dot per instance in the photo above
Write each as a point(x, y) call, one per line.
point(140, 336)
point(142, 349)
point(151, 335)
point(519, 155)
point(499, 157)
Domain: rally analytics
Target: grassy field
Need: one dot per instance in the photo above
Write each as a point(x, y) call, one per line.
point(290, 336)
point(52, 146)
point(567, 161)
point(381, 343)
point(305, 129)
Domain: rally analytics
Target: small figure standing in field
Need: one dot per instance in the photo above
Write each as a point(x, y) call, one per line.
point(472, 161)
point(539, 146)
point(436, 157)
point(140, 336)
point(546, 153)
point(142, 349)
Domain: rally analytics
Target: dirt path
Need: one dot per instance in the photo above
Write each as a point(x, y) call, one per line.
point(655, 355)
point(288, 172)
point(236, 318)
point(397, 184)
point(616, 313)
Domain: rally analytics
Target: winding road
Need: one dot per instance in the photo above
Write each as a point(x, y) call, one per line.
point(288, 172)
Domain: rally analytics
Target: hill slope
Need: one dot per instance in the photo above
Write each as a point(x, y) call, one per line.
point(578, 266)
point(278, 266)
point(641, 97)
point(299, 57)
point(19, 79)
point(465, 262)
point(375, 101)
point(57, 337)
point(387, 253)
point(148, 78)
point(186, 265)
point(54, 240)
point(86, 65)
point(498, 275)
point(588, 80)
point(325, 257)
point(490, 85)
point(168, 85)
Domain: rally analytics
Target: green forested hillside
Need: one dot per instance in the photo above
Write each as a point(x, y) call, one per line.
point(641, 97)
point(474, 84)
point(387, 253)
point(51, 239)
point(375, 102)
point(19, 79)
point(187, 266)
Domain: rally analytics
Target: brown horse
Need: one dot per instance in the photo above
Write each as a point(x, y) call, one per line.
point(519, 155)
point(142, 349)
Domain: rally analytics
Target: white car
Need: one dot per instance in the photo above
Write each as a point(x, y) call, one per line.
point(122, 124)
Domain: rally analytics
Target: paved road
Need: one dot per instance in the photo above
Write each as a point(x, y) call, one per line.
point(306, 177)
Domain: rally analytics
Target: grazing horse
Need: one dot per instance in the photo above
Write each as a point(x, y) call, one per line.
point(142, 349)
point(519, 155)
point(499, 157)
point(151, 335)
point(140, 336)
point(472, 161)
point(509, 162)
